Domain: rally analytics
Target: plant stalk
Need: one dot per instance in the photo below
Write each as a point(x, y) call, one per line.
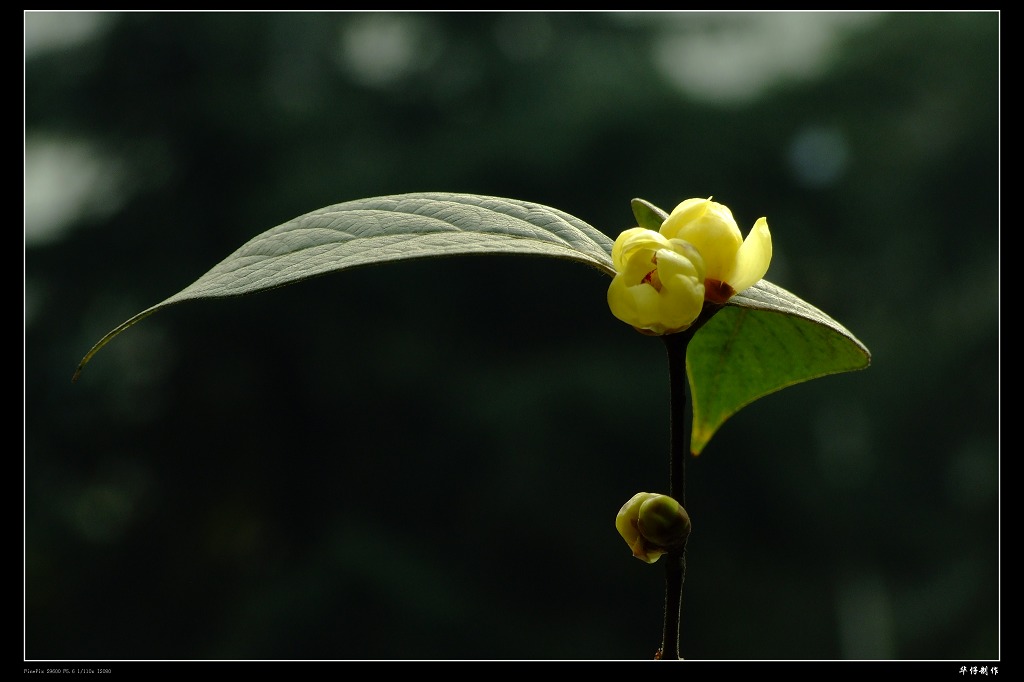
point(680, 417)
point(680, 423)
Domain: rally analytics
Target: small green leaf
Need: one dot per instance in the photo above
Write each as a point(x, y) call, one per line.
point(647, 214)
point(386, 229)
point(764, 340)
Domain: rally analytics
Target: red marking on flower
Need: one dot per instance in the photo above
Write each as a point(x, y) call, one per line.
point(716, 291)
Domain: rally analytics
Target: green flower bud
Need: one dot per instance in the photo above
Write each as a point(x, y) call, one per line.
point(652, 525)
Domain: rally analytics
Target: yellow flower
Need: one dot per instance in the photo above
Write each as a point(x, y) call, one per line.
point(732, 263)
point(652, 524)
point(659, 283)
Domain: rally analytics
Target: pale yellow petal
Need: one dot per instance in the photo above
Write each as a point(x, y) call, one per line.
point(621, 301)
point(752, 258)
point(686, 212)
point(638, 305)
point(625, 239)
point(659, 286)
point(690, 253)
point(680, 305)
point(639, 264)
point(710, 227)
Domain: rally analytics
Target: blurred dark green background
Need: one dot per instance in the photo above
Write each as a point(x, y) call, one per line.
point(424, 460)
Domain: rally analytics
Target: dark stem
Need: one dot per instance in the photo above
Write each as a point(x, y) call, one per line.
point(680, 417)
point(680, 422)
point(679, 414)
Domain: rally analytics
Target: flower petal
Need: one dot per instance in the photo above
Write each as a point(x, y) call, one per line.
point(629, 241)
point(659, 284)
point(710, 227)
point(752, 258)
point(637, 305)
point(682, 259)
point(686, 212)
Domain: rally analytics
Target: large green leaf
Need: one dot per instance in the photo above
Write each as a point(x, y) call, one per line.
point(385, 229)
point(764, 340)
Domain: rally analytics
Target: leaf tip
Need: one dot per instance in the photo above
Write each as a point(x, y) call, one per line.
point(81, 366)
point(647, 214)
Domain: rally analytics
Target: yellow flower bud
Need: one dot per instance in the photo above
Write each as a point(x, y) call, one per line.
point(652, 524)
point(659, 284)
point(732, 263)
